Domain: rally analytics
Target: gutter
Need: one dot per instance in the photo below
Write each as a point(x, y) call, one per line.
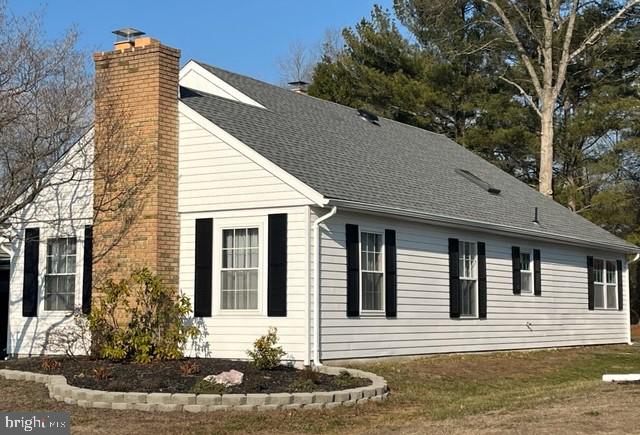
point(316, 285)
point(482, 226)
point(629, 263)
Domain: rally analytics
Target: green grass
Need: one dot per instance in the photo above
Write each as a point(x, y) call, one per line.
point(432, 394)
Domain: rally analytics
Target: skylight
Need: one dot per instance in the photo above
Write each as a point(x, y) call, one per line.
point(368, 116)
point(478, 181)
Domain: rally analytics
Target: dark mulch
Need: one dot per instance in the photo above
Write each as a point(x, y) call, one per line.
point(166, 376)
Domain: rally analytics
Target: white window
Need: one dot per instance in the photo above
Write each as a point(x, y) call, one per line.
point(372, 271)
point(605, 284)
point(240, 269)
point(468, 266)
point(60, 279)
point(526, 272)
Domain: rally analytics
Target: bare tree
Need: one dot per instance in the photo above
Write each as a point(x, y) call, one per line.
point(546, 42)
point(300, 61)
point(45, 104)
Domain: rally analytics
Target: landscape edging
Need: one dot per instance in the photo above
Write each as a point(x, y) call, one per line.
point(61, 391)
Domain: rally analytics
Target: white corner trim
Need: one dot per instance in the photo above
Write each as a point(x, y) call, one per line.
point(195, 76)
point(308, 192)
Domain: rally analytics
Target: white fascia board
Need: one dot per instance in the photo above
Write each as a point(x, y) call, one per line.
point(284, 176)
point(195, 76)
point(487, 227)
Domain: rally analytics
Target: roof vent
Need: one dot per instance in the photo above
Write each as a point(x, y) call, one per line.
point(536, 219)
point(368, 116)
point(478, 182)
point(299, 87)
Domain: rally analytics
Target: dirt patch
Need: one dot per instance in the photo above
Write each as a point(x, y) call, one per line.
point(168, 376)
point(635, 332)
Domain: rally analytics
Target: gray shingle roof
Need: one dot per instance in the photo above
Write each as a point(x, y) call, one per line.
point(331, 149)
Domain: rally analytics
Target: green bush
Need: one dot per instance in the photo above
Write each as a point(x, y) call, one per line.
point(302, 386)
point(206, 387)
point(265, 354)
point(140, 319)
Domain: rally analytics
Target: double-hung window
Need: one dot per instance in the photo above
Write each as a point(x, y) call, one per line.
point(605, 284)
point(60, 279)
point(468, 267)
point(240, 269)
point(526, 272)
point(372, 271)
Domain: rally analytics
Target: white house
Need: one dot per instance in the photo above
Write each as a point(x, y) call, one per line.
point(355, 236)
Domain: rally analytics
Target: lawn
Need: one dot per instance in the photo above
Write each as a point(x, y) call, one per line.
point(538, 391)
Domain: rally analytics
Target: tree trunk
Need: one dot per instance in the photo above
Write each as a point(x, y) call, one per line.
point(546, 150)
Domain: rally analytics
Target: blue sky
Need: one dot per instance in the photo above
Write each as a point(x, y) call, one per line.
point(245, 36)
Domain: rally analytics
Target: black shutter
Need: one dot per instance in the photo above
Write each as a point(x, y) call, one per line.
point(87, 270)
point(590, 282)
point(353, 270)
point(537, 276)
point(515, 261)
point(277, 276)
point(620, 286)
point(391, 274)
point(204, 268)
point(482, 280)
point(454, 279)
point(31, 263)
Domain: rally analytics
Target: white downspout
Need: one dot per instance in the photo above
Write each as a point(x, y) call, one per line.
point(316, 285)
point(636, 258)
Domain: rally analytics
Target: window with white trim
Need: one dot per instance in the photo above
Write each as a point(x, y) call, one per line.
point(468, 267)
point(240, 269)
point(605, 284)
point(526, 272)
point(372, 271)
point(60, 278)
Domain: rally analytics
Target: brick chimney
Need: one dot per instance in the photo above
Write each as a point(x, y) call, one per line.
point(136, 160)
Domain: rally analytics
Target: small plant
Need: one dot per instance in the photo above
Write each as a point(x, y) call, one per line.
point(206, 387)
point(189, 368)
point(101, 373)
point(265, 354)
point(343, 381)
point(310, 374)
point(50, 364)
point(302, 386)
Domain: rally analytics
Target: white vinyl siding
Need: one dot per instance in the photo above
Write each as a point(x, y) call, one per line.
point(60, 211)
point(605, 284)
point(559, 317)
point(214, 176)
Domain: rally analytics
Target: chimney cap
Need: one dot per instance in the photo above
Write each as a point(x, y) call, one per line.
point(128, 33)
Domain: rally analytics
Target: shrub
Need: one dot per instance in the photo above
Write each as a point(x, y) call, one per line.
point(189, 368)
point(206, 387)
point(302, 386)
point(265, 354)
point(71, 339)
point(140, 319)
point(50, 364)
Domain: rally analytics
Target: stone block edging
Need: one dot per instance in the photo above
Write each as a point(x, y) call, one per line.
point(61, 391)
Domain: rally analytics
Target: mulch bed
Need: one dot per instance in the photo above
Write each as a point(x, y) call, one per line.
point(166, 376)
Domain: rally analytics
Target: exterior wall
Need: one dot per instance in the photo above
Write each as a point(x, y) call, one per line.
point(559, 317)
point(219, 182)
point(136, 163)
point(60, 211)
